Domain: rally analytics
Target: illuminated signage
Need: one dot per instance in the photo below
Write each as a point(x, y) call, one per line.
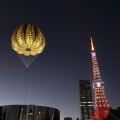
point(98, 84)
point(93, 54)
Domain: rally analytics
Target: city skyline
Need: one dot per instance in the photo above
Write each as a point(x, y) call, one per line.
point(53, 78)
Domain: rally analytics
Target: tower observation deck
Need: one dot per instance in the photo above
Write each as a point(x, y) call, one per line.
point(101, 108)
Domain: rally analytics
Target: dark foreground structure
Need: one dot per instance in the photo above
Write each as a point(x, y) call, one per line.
point(68, 118)
point(114, 114)
point(28, 112)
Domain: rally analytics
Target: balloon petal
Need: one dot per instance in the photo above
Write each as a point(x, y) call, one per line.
point(20, 36)
point(29, 36)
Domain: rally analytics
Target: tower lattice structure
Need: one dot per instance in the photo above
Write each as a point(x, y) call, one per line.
point(101, 107)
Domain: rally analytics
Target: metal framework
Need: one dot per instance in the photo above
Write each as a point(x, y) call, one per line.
point(101, 108)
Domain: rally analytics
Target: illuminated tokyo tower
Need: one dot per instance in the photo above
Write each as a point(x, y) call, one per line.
point(101, 108)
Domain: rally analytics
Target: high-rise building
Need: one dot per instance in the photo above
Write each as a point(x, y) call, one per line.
point(101, 108)
point(86, 101)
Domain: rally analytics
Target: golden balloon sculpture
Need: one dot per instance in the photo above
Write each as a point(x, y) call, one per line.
point(28, 42)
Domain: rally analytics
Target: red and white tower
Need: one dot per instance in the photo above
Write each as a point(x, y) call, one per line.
point(101, 108)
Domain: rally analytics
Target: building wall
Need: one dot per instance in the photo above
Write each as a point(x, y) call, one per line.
point(28, 112)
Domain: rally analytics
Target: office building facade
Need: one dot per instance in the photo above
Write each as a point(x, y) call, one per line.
point(86, 101)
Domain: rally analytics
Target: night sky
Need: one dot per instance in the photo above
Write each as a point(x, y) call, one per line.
point(54, 76)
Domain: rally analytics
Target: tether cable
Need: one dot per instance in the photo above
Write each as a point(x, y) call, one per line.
point(26, 85)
